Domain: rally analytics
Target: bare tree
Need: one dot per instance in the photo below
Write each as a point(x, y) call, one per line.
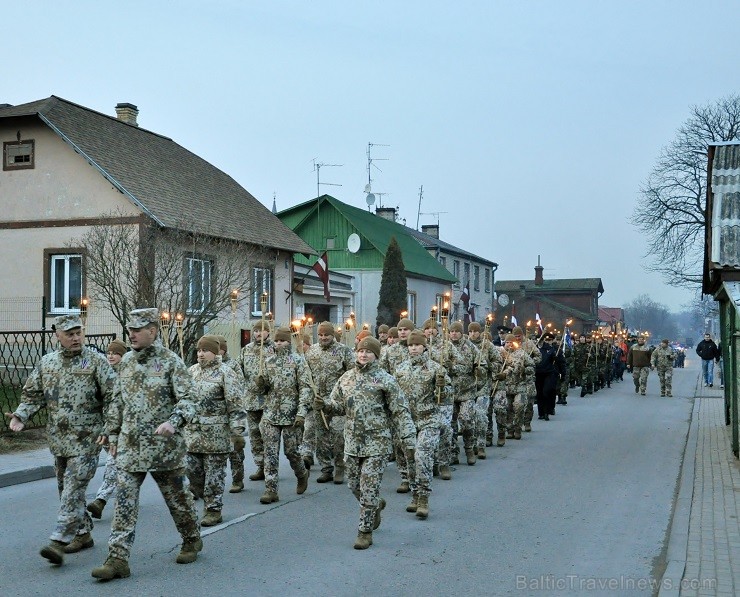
point(182, 273)
point(672, 212)
point(644, 314)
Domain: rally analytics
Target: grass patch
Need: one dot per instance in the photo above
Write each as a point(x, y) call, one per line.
point(33, 439)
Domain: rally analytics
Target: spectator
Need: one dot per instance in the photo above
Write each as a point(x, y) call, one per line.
point(709, 353)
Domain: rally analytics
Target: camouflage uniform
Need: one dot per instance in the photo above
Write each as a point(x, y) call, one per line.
point(566, 380)
point(249, 360)
point(662, 360)
point(110, 472)
point(217, 394)
point(153, 387)
point(638, 359)
point(391, 360)
point(327, 366)
point(370, 399)
point(437, 353)
point(489, 361)
point(417, 378)
point(76, 388)
point(517, 386)
point(529, 346)
point(288, 394)
point(236, 455)
point(583, 363)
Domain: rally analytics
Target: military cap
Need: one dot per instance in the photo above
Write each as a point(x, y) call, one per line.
point(326, 328)
point(416, 337)
point(261, 326)
point(510, 338)
point(548, 336)
point(282, 335)
point(67, 322)
point(393, 332)
point(456, 326)
point(383, 329)
point(362, 334)
point(430, 323)
point(140, 318)
point(306, 339)
point(517, 331)
point(117, 347)
point(223, 342)
point(209, 343)
point(474, 327)
point(406, 324)
point(503, 328)
point(665, 341)
point(371, 344)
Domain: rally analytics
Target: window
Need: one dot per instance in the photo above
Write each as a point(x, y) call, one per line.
point(198, 293)
point(476, 277)
point(466, 269)
point(18, 155)
point(331, 242)
point(261, 282)
point(456, 269)
point(443, 261)
point(65, 282)
point(487, 279)
point(411, 305)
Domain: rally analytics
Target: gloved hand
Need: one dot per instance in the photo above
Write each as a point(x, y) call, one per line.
point(501, 376)
point(299, 422)
point(439, 380)
point(239, 442)
point(318, 404)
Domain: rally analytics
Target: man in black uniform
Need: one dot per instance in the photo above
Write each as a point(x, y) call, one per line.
point(547, 374)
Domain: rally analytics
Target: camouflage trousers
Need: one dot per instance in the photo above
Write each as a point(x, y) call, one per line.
point(500, 406)
point(665, 375)
point(563, 387)
point(529, 410)
point(308, 443)
point(175, 489)
point(207, 475)
point(640, 377)
point(364, 477)
point(420, 469)
point(481, 419)
point(445, 435)
point(489, 423)
point(236, 459)
point(402, 463)
point(515, 407)
point(329, 442)
point(291, 439)
point(73, 476)
point(108, 486)
point(255, 437)
point(466, 423)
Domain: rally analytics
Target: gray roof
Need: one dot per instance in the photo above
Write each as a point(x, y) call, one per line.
point(555, 285)
point(430, 242)
point(172, 185)
point(725, 206)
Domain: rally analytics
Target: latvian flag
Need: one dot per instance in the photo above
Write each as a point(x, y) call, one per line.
point(321, 267)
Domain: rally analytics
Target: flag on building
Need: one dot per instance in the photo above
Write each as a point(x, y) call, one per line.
point(514, 322)
point(465, 296)
point(321, 267)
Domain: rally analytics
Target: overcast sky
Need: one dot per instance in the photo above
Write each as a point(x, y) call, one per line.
point(530, 125)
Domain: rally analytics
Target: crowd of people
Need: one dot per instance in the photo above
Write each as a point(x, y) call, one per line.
point(411, 395)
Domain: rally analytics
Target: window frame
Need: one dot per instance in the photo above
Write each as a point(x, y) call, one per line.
point(205, 296)
point(476, 278)
point(255, 306)
point(411, 304)
point(30, 165)
point(50, 256)
point(487, 279)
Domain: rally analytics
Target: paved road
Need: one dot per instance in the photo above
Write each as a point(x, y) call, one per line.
point(583, 500)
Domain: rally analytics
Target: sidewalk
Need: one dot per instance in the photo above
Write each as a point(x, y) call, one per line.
point(22, 467)
point(704, 540)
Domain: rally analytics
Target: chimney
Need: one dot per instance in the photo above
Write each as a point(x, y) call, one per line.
point(389, 213)
point(431, 229)
point(538, 279)
point(127, 113)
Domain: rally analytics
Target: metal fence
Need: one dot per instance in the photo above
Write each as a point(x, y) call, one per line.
point(20, 352)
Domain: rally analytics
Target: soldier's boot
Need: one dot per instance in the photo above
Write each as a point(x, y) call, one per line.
point(211, 518)
point(470, 456)
point(422, 509)
point(527, 427)
point(268, 497)
point(668, 393)
point(236, 487)
point(364, 540)
point(501, 438)
point(54, 552)
point(308, 461)
point(412, 505)
point(489, 440)
point(113, 568)
point(510, 433)
point(517, 434)
point(339, 475)
point(455, 458)
point(302, 484)
point(444, 472)
point(435, 470)
point(637, 389)
point(258, 475)
point(482, 453)
point(326, 476)
point(189, 551)
point(404, 487)
point(79, 543)
point(583, 392)
point(378, 510)
point(95, 508)
point(662, 393)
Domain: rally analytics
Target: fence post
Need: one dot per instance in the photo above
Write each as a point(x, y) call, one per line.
point(43, 326)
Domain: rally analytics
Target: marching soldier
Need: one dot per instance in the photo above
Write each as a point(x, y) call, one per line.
point(547, 374)
point(638, 362)
point(529, 347)
point(488, 360)
point(152, 402)
point(582, 355)
point(75, 384)
point(498, 341)
point(514, 374)
point(461, 369)
point(372, 401)
point(383, 334)
point(662, 361)
point(218, 395)
point(566, 350)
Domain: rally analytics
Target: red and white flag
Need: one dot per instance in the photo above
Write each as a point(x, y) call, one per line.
point(538, 320)
point(321, 267)
point(465, 296)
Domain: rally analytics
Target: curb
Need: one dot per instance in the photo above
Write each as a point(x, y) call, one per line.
point(678, 538)
point(27, 475)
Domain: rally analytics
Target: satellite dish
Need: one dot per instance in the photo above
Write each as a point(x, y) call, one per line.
point(503, 299)
point(353, 243)
point(367, 188)
point(370, 199)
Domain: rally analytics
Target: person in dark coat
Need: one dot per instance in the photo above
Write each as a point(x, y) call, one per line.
point(547, 375)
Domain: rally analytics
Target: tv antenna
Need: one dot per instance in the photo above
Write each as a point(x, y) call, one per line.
point(418, 211)
point(317, 166)
point(433, 213)
point(370, 198)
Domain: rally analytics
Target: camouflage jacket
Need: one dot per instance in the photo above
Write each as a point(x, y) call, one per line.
point(289, 393)
point(249, 363)
point(517, 364)
point(77, 390)
point(417, 378)
point(371, 398)
point(220, 408)
point(328, 365)
point(638, 356)
point(582, 354)
point(490, 362)
point(662, 358)
point(392, 358)
point(153, 386)
point(463, 359)
point(530, 348)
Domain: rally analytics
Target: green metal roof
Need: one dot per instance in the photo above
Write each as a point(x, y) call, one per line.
point(327, 217)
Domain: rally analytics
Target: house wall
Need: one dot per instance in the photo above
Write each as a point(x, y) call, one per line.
point(479, 297)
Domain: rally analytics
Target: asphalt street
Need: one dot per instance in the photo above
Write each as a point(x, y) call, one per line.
point(581, 503)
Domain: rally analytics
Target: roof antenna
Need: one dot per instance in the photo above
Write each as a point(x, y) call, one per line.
point(418, 211)
point(317, 166)
point(370, 198)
